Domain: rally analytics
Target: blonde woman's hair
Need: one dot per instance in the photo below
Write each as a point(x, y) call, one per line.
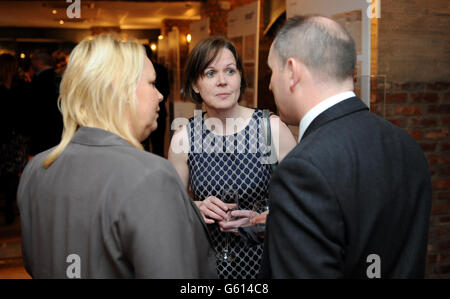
point(98, 89)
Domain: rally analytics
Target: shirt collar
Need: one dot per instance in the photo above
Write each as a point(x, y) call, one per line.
point(97, 137)
point(321, 107)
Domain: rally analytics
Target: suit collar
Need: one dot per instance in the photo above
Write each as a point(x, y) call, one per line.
point(97, 137)
point(339, 110)
point(321, 107)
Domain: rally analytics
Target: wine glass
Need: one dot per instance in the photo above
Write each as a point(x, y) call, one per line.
point(259, 207)
point(229, 195)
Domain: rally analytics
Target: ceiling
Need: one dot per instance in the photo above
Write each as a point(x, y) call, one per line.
point(125, 14)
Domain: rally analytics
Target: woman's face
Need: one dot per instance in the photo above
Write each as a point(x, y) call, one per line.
point(148, 102)
point(220, 84)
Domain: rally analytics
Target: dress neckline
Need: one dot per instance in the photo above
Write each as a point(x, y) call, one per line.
point(207, 130)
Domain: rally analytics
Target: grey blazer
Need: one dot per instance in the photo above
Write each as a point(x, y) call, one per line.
point(105, 209)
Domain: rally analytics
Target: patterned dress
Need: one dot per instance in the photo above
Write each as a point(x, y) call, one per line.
point(219, 163)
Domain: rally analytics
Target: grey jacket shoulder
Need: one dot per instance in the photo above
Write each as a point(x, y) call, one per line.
point(124, 211)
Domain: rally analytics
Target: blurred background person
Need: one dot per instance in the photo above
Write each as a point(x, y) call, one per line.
point(14, 143)
point(60, 58)
point(45, 116)
point(97, 195)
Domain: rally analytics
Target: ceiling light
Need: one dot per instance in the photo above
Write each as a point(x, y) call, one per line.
point(22, 55)
point(188, 38)
point(160, 37)
point(54, 11)
point(61, 22)
point(153, 47)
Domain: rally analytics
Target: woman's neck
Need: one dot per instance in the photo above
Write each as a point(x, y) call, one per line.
point(238, 118)
point(222, 114)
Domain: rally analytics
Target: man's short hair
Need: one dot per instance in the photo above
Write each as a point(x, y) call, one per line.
point(323, 45)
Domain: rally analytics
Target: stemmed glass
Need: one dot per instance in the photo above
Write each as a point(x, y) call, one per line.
point(229, 196)
point(259, 207)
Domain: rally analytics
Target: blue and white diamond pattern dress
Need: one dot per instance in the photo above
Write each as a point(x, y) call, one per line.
point(217, 163)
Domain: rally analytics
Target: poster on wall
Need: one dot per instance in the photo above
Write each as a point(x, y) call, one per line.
point(198, 30)
point(174, 63)
point(354, 15)
point(163, 52)
point(243, 30)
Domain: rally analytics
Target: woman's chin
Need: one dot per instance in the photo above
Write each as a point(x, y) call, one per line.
point(225, 105)
point(146, 133)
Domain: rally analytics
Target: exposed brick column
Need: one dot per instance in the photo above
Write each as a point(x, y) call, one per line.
point(423, 109)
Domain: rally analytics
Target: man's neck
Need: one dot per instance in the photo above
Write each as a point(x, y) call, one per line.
point(320, 108)
point(323, 91)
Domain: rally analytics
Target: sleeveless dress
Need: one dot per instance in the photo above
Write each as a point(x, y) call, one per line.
point(219, 163)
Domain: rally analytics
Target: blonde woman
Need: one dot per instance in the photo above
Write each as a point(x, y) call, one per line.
point(97, 205)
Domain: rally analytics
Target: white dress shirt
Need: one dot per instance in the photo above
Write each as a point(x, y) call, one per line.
point(321, 107)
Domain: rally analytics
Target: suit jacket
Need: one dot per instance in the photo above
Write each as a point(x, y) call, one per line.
point(124, 212)
point(354, 186)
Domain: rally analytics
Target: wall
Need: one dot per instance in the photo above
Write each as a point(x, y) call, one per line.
point(416, 62)
point(183, 29)
point(416, 41)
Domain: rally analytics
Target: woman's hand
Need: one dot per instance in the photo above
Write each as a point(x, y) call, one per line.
point(259, 219)
point(242, 218)
point(213, 209)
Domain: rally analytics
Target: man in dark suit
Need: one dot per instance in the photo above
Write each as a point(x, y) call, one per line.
point(352, 199)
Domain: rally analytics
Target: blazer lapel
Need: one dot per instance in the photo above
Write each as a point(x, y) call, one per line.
point(337, 111)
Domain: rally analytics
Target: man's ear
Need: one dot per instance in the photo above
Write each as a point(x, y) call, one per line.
point(294, 68)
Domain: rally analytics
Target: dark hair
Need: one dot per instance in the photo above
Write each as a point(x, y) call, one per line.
point(201, 57)
point(321, 43)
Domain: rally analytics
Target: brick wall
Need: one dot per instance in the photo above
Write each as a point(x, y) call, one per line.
point(415, 40)
point(416, 63)
point(423, 109)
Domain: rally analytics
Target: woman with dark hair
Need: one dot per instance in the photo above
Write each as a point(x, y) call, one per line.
point(224, 151)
